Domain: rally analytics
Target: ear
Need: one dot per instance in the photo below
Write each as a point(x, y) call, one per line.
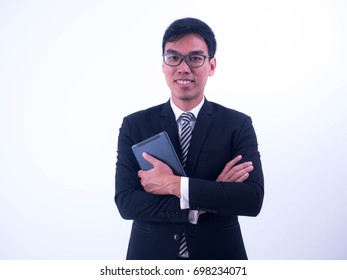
point(213, 65)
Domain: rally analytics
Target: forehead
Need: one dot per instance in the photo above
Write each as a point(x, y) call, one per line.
point(188, 43)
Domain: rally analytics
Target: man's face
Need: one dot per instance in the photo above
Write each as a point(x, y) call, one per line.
point(187, 83)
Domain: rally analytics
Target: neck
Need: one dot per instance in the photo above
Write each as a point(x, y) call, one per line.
point(187, 105)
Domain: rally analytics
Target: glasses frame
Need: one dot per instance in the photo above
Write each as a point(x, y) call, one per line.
point(185, 58)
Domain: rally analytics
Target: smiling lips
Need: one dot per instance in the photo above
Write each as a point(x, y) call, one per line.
point(184, 82)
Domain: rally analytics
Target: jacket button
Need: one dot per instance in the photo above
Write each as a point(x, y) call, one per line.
point(177, 237)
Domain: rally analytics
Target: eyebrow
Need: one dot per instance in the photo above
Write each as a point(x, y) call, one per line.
point(192, 52)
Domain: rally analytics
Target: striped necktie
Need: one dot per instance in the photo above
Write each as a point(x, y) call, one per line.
point(186, 135)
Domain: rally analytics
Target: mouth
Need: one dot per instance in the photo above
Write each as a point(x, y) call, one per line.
point(184, 82)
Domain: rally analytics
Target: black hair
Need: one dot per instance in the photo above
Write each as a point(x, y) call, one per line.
point(185, 26)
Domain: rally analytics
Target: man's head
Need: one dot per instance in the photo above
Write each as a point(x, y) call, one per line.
point(185, 26)
point(189, 47)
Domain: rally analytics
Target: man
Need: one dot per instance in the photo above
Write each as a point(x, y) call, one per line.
point(193, 217)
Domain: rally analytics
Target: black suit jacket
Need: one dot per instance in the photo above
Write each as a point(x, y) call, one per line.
point(219, 135)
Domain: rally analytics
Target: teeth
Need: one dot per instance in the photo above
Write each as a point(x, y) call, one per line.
point(184, 82)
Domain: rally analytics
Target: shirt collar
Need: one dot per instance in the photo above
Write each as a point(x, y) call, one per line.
point(178, 112)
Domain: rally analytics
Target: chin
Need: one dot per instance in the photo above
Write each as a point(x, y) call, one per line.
point(185, 97)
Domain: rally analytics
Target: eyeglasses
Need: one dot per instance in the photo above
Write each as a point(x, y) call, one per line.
point(193, 60)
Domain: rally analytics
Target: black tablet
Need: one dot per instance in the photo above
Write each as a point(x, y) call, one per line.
point(161, 148)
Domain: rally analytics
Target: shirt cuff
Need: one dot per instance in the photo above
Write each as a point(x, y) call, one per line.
point(193, 215)
point(184, 201)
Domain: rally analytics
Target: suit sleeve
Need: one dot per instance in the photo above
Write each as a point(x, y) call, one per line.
point(233, 198)
point(132, 201)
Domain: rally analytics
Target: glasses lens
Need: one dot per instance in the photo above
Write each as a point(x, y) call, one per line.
point(193, 60)
point(196, 60)
point(172, 59)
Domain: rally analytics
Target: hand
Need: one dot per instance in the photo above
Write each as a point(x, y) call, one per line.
point(160, 179)
point(235, 173)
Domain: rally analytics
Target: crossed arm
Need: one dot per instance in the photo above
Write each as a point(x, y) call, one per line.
point(232, 188)
point(160, 179)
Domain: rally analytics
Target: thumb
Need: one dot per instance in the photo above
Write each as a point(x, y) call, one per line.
point(149, 158)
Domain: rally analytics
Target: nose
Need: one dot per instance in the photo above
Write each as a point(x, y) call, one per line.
point(183, 67)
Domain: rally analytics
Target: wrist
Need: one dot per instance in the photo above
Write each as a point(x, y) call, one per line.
point(174, 186)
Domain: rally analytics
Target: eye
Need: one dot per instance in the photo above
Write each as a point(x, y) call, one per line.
point(195, 58)
point(172, 57)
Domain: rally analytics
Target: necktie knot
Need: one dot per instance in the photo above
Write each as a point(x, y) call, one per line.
point(187, 117)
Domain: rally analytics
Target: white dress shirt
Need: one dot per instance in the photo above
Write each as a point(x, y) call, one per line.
point(184, 201)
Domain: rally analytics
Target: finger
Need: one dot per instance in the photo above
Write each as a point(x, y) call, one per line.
point(237, 171)
point(243, 178)
point(233, 162)
point(230, 165)
point(150, 158)
point(239, 174)
point(142, 176)
point(241, 167)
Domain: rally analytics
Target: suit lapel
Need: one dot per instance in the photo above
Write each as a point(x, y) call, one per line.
point(168, 123)
point(200, 133)
point(202, 126)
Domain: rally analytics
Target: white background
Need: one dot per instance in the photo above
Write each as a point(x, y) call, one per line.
point(71, 70)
